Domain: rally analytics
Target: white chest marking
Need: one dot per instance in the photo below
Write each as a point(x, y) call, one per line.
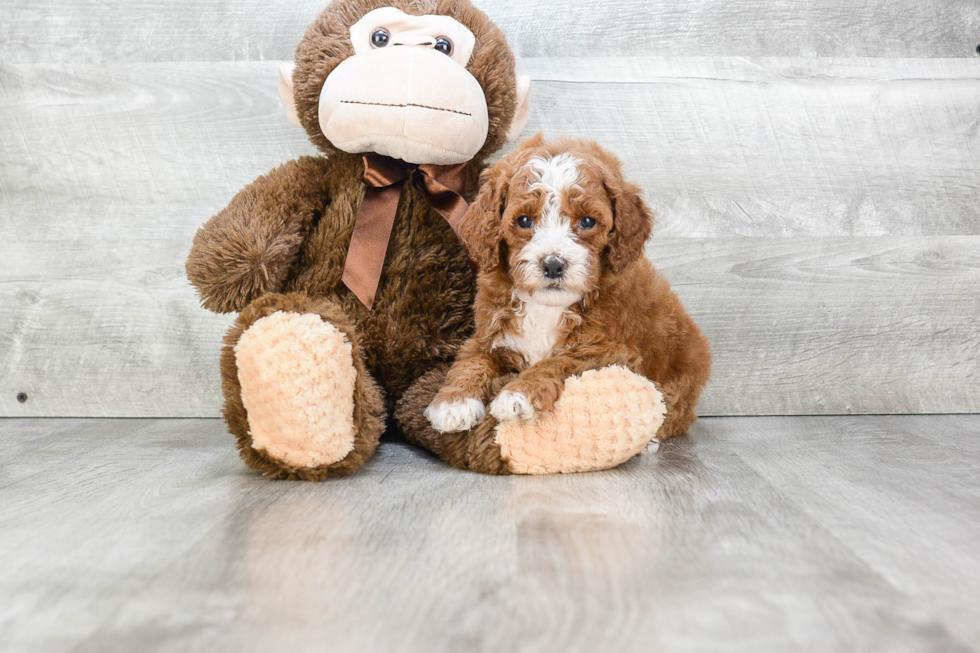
point(537, 332)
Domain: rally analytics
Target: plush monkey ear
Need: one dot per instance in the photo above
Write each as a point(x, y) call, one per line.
point(286, 92)
point(632, 224)
point(523, 111)
point(480, 228)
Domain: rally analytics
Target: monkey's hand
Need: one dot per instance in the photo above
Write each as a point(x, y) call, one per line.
point(247, 249)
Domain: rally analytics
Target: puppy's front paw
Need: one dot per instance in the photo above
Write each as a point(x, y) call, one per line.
point(448, 416)
point(510, 406)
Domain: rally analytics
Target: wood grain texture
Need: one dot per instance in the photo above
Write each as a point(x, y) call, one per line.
point(154, 133)
point(833, 325)
point(758, 534)
point(781, 147)
point(726, 147)
point(184, 30)
point(882, 481)
point(815, 326)
point(819, 218)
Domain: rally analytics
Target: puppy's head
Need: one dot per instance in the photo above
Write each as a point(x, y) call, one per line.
point(556, 217)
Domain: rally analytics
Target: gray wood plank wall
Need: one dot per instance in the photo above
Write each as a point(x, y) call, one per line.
point(815, 168)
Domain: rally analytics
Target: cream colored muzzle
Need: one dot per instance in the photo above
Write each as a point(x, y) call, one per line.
point(409, 102)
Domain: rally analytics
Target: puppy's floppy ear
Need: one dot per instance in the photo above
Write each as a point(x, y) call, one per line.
point(480, 228)
point(529, 143)
point(632, 223)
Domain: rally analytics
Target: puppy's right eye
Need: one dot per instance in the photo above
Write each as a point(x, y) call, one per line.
point(524, 222)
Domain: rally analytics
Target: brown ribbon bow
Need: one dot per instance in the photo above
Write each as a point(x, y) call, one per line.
point(441, 186)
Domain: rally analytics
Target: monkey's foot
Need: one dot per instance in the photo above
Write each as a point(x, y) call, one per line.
point(297, 376)
point(602, 419)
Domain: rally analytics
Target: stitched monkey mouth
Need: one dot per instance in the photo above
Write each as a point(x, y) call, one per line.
point(406, 104)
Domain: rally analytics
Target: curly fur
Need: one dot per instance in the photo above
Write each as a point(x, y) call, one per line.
point(475, 450)
point(625, 313)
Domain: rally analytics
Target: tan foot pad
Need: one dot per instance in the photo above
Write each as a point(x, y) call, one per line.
point(603, 418)
point(297, 376)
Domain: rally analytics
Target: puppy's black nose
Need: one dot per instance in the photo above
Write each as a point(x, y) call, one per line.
point(553, 267)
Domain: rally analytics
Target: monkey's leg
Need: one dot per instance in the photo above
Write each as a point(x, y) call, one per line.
point(603, 418)
point(297, 394)
point(475, 449)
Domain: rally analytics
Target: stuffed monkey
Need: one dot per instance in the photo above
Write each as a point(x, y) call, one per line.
point(352, 290)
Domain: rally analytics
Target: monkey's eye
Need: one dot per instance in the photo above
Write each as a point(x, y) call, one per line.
point(444, 45)
point(524, 222)
point(380, 37)
point(586, 223)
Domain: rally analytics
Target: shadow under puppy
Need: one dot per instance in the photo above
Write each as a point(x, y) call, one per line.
point(563, 287)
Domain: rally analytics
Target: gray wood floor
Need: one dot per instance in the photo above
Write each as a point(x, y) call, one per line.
point(755, 534)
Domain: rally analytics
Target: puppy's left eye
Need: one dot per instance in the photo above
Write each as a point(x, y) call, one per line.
point(524, 222)
point(586, 223)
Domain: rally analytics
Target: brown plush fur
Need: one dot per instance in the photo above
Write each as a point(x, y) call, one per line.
point(475, 450)
point(282, 241)
point(369, 410)
point(627, 316)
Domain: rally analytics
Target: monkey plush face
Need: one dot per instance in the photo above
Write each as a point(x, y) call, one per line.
point(406, 92)
point(422, 81)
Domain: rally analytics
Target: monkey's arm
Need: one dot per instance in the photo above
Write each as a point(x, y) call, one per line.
point(247, 249)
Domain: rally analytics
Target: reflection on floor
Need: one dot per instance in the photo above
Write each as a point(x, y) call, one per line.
point(753, 534)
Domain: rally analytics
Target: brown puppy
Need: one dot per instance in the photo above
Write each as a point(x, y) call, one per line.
point(558, 234)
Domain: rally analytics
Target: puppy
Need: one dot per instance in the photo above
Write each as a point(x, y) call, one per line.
point(563, 287)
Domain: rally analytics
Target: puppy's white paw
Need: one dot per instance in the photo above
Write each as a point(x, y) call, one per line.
point(446, 417)
point(511, 406)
